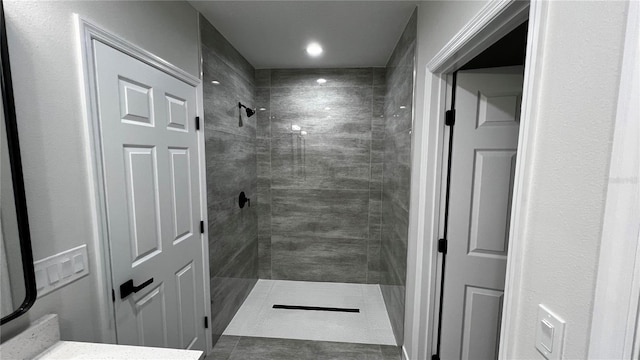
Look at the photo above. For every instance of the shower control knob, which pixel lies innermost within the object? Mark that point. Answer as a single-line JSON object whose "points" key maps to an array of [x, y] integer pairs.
{"points": [[243, 199]]}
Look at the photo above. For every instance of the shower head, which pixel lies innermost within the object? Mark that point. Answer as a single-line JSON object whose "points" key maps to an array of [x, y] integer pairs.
{"points": [[250, 111]]}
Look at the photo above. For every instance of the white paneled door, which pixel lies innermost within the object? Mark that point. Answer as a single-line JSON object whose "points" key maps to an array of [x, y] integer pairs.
{"points": [[482, 169], [150, 159]]}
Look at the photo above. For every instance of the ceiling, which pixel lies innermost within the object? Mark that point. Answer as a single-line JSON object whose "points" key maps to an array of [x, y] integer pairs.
{"points": [[274, 34]]}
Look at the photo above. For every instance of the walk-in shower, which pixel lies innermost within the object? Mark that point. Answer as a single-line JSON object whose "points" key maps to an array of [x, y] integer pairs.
{"points": [[322, 253]]}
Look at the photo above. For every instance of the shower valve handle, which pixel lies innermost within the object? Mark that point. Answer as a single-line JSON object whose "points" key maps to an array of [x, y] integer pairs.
{"points": [[243, 199]]}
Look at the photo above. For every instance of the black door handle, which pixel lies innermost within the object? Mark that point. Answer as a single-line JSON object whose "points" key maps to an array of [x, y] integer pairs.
{"points": [[128, 288]]}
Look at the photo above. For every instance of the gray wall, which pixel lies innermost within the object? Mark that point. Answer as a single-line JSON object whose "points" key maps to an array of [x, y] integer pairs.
{"points": [[231, 168], [398, 103], [319, 194]]}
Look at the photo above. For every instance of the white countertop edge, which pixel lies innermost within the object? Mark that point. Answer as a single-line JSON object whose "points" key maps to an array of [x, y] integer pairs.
{"points": [[69, 350]]}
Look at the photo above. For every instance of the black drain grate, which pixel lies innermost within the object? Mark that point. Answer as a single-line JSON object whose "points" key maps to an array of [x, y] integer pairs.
{"points": [[315, 308]]}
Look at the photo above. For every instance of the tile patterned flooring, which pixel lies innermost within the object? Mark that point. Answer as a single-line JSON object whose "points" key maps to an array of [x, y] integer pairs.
{"points": [[257, 318], [255, 348]]}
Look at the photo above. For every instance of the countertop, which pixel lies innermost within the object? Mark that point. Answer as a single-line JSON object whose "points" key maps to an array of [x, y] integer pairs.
{"points": [[68, 350]]}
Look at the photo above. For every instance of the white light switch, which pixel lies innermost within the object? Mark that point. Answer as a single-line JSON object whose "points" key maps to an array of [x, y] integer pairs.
{"points": [[61, 269], [41, 279], [67, 268], [546, 338], [52, 273], [549, 334], [78, 263]]}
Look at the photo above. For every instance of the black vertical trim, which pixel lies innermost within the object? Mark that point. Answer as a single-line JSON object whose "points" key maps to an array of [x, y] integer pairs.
{"points": [[201, 227], [206, 322], [197, 122], [15, 163], [113, 295], [443, 243]]}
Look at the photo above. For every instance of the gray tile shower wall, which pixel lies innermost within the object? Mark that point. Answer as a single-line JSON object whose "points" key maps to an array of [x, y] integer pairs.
{"points": [[320, 155], [398, 104], [231, 163]]}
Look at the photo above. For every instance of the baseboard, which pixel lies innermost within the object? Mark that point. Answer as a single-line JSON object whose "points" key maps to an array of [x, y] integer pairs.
{"points": [[405, 356]]}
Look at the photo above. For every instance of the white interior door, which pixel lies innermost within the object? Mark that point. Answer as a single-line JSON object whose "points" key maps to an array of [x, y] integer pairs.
{"points": [[483, 162], [150, 157]]}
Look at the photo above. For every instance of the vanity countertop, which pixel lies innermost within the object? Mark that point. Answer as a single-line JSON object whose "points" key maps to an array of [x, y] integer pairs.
{"points": [[83, 350]]}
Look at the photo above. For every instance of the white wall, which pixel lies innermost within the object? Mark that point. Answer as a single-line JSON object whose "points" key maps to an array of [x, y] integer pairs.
{"points": [[571, 152], [45, 68], [571, 149]]}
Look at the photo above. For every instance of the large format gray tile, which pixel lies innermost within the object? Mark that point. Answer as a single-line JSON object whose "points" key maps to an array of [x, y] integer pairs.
{"points": [[254, 348], [396, 175], [361, 77], [406, 41], [212, 38], [223, 348], [379, 76], [326, 213], [231, 286], [263, 114], [397, 169], [322, 110], [227, 295], [231, 165], [394, 301], [320, 162], [221, 100], [230, 229], [319, 259], [263, 78], [264, 256]]}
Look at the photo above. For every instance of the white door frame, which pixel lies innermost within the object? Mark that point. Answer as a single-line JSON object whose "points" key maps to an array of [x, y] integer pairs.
{"points": [[494, 20], [87, 32], [616, 314]]}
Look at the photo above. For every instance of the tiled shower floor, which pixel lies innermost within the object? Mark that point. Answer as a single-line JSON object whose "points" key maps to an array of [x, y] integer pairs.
{"points": [[257, 318]]}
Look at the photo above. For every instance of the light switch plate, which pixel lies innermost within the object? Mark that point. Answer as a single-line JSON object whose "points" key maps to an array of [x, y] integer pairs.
{"points": [[549, 333], [61, 269]]}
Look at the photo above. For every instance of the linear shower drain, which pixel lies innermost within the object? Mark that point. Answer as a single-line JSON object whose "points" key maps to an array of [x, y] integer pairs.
{"points": [[315, 308]]}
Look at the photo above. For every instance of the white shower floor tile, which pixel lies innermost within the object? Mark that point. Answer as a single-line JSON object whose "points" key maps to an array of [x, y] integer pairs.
{"points": [[256, 317]]}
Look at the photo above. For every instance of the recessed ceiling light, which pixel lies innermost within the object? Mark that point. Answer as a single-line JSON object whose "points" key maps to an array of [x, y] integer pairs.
{"points": [[262, 109], [215, 82], [314, 49], [303, 132], [321, 81], [295, 127], [403, 107]]}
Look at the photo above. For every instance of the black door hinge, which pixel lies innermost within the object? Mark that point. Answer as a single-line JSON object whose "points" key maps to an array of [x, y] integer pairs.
{"points": [[113, 295], [201, 227], [206, 322], [197, 122], [435, 357], [442, 246], [450, 117]]}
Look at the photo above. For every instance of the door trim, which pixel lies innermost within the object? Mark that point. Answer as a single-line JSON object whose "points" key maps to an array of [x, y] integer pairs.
{"points": [[86, 33], [616, 319], [493, 21]]}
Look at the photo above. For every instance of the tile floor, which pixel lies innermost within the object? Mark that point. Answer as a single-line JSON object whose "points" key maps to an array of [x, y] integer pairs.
{"points": [[255, 348], [257, 318]]}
